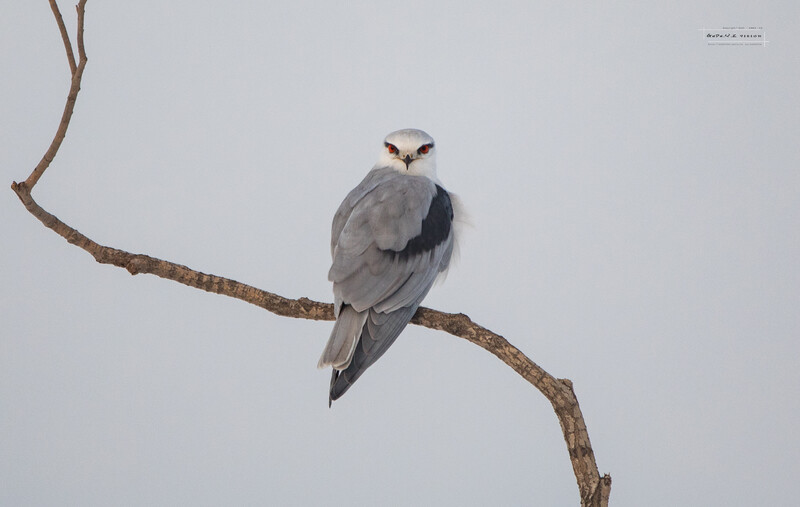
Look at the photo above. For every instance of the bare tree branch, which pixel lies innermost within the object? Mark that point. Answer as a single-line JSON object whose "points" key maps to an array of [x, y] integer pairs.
{"points": [[64, 35], [77, 75], [594, 490]]}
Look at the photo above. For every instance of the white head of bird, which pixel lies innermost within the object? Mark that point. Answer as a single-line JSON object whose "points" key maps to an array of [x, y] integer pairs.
{"points": [[409, 151]]}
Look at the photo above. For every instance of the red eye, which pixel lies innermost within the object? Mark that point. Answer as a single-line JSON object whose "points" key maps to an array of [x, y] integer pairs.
{"points": [[392, 148], [425, 148]]}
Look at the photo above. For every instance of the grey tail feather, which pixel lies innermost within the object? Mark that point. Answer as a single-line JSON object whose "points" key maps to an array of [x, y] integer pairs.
{"points": [[375, 340], [344, 337]]}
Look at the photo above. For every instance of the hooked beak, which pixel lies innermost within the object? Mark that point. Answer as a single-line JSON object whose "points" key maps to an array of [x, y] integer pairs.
{"points": [[407, 160]]}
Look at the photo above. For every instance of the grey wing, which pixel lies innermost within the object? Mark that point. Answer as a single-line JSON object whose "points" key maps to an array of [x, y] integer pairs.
{"points": [[382, 257], [390, 248], [370, 181]]}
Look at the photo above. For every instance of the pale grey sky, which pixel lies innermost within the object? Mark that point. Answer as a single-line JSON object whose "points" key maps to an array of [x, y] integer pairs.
{"points": [[635, 196]]}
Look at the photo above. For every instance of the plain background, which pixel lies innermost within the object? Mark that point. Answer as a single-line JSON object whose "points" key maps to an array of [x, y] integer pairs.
{"points": [[635, 200]]}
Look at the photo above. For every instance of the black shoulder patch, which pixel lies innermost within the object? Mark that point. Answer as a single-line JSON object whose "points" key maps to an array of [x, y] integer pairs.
{"points": [[435, 227]]}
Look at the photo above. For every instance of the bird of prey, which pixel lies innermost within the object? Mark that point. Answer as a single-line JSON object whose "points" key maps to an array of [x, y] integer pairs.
{"points": [[391, 238]]}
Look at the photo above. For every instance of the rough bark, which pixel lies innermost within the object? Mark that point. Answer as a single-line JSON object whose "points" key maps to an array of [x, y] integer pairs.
{"points": [[594, 489]]}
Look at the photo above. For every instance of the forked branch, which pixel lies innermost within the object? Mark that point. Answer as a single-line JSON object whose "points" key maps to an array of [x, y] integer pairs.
{"points": [[594, 490]]}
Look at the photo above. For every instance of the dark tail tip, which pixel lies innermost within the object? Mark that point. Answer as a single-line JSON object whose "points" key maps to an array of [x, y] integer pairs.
{"points": [[339, 385], [334, 376]]}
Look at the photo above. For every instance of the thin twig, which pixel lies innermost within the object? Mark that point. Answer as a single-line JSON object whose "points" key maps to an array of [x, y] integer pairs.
{"points": [[75, 86], [81, 8], [64, 36]]}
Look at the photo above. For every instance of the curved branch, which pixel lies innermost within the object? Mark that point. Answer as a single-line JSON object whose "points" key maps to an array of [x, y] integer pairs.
{"points": [[594, 490], [558, 391]]}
